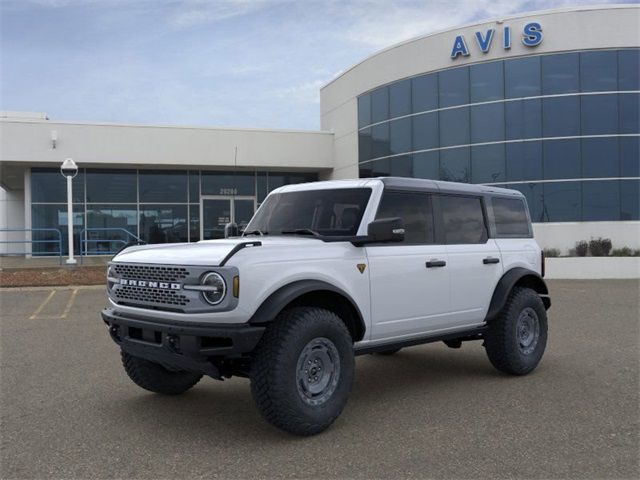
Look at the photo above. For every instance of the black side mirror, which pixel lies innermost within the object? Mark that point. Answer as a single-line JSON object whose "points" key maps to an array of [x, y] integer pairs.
{"points": [[381, 231], [231, 230]]}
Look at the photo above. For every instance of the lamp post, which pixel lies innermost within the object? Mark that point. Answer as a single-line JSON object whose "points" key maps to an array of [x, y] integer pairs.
{"points": [[69, 169]]}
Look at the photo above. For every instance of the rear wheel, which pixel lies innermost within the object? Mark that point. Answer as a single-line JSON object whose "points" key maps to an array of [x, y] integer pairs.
{"points": [[303, 369], [516, 340], [156, 378]]}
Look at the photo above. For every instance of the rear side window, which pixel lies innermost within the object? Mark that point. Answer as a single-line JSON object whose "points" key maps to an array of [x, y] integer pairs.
{"points": [[463, 219], [510, 215], [416, 213]]}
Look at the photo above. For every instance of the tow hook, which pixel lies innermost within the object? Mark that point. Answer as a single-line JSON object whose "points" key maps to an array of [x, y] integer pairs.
{"points": [[114, 332]]}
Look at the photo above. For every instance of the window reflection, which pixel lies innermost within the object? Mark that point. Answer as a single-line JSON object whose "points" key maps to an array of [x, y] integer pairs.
{"points": [[163, 186], [488, 164], [562, 202], [600, 201], [599, 71], [560, 73], [48, 185], [400, 99], [455, 165], [164, 223]]}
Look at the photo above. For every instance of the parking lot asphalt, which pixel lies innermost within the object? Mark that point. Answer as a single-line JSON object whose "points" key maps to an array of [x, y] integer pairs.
{"points": [[69, 410]]}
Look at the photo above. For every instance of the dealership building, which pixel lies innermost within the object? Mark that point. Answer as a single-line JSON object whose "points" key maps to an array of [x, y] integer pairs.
{"points": [[546, 103]]}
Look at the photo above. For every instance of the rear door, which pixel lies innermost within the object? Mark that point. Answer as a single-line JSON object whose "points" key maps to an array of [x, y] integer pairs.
{"points": [[409, 280], [475, 264]]}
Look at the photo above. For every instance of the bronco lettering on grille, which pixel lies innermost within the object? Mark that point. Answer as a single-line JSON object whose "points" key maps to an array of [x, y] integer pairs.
{"points": [[150, 284]]}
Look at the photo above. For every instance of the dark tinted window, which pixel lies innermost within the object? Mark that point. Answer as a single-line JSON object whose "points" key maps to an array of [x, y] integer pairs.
{"points": [[487, 123], [415, 211], [164, 223], [600, 200], [48, 185], [400, 135], [380, 140], [454, 127], [629, 112], [426, 165], [630, 156], [111, 186], [561, 159], [380, 105], [454, 87], [487, 82], [523, 119], [364, 110], [522, 77], [194, 186], [561, 116], [163, 186], [194, 223], [599, 71], [487, 164], [400, 166], [455, 165], [629, 70], [533, 193], [560, 74], [425, 131], [562, 202], [52, 216], [463, 219], [600, 157], [328, 212], [630, 200], [424, 93], [599, 114], [365, 145], [400, 99], [524, 160], [228, 183], [510, 216]]}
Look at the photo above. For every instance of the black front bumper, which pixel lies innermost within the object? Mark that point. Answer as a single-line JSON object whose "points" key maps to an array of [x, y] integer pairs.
{"points": [[192, 347]]}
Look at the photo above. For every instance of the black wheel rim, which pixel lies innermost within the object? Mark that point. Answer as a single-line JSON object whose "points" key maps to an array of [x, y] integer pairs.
{"points": [[528, 330], [318, 371]]}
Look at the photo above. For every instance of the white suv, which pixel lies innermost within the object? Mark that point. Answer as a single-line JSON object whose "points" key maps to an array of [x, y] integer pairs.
{"points": [[326, 271]]}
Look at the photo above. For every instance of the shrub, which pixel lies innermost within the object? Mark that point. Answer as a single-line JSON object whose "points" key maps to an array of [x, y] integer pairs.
{"points": [[636, 252], [600, 247], [622, 252], [551, 252], [581, 249]]}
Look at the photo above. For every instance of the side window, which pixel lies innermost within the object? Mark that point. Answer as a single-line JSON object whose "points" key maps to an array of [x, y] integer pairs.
{"points": [[463, 219], [510, 217], [416, 213]]}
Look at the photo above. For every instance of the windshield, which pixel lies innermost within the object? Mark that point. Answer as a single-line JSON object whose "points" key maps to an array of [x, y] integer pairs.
{"points": [[333, 212]]}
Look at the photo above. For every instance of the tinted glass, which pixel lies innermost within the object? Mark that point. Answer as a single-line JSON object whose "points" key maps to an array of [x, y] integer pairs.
{"points": [[364, 170], [561, 159], [562, 202], [455, 165], [533, 194], [561, 116], [415, 211], [194, 186], [598, 71], [194, 223], [600, 157], [400, 99], [523, 119], [630, 156], [111, 186], [488, 164], [364, 110], [328, 212], [629, 112], [380, 105], [262, 187], [560, 73], [425, 131], [510, 216], [48, 185], [380, 168], [524, 160], [630, 200], [365, 144], [228, 183], [118, 219], [454, 127], [163, 186], [629, 70], [454, 87], [600, 200], [599, 114], [487, 81], [424, 93], [522, 77], [276, 180], [426, 165], [164, 223], [380, 140], [52, 216], [487, 123], [463, 219], [400, 166], [400, 135]]}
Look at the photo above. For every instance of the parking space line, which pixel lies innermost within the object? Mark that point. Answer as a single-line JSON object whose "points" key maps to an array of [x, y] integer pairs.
{"points": [[42, 305], [69, 303]]}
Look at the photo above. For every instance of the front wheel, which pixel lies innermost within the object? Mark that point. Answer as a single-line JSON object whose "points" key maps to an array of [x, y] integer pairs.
{"points": [[517, 339], [302, 372]]}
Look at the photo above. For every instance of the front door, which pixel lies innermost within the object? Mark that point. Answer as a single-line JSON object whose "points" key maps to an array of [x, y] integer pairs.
{"points": [[216, 211]]}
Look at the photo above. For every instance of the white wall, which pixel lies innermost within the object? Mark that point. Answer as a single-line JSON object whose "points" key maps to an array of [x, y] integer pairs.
{"points": [[589, 268], [11, 216]]}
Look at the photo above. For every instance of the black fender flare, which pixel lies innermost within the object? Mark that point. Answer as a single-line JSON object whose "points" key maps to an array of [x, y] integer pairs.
{"points": [[524, 276], [286, 294]]}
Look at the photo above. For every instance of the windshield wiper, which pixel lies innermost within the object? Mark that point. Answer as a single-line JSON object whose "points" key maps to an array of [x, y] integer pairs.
{"points": [[301, 231], [255, 232]]}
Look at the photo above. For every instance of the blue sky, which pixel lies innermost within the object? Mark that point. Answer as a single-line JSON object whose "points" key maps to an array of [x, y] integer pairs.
{"points": [[247, 63]]}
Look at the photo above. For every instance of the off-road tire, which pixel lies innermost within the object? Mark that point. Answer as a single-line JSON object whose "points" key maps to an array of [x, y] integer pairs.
{"points": [[502, 340], [391, 351], [155, 378], [275, 385]]}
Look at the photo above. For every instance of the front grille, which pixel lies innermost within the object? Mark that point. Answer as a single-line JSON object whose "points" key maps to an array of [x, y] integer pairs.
{"points": [[153, 273], [157, 296]]}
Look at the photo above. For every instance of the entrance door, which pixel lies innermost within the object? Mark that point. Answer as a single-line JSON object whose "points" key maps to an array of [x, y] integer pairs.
{"points": [[217, 211]]}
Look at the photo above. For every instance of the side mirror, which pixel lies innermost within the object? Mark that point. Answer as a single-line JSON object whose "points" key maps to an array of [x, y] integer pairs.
{"points": [[382, 230], [231, 230]]}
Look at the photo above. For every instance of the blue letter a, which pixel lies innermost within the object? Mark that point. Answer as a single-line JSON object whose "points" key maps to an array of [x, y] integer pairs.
{"points": [[459, 47], [485, 43]]}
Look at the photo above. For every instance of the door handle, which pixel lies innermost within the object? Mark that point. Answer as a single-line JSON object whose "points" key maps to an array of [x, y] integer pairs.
{"points": [[436, 263], [490, 260]]}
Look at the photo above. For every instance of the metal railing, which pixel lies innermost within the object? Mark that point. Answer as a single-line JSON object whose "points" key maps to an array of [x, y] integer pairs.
{"points": [[31, 241], [128, 239]]}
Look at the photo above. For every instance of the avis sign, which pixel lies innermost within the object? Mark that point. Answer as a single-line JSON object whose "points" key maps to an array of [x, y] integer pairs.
{"points": [[531, 37]]}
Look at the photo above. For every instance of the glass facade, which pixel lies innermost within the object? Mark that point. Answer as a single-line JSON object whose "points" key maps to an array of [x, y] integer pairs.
{"points": [[561, 128], [158, 206]]}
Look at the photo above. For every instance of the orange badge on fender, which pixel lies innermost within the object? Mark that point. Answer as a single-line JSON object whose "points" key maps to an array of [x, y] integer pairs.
{"points": [[361, 267]]}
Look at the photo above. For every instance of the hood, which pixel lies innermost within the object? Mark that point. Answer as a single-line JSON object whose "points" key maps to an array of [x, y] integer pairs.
{"points": [[206, 253]]}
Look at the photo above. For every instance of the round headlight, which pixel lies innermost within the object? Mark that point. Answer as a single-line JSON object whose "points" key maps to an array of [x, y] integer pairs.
{"points": [[216, 288]]}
